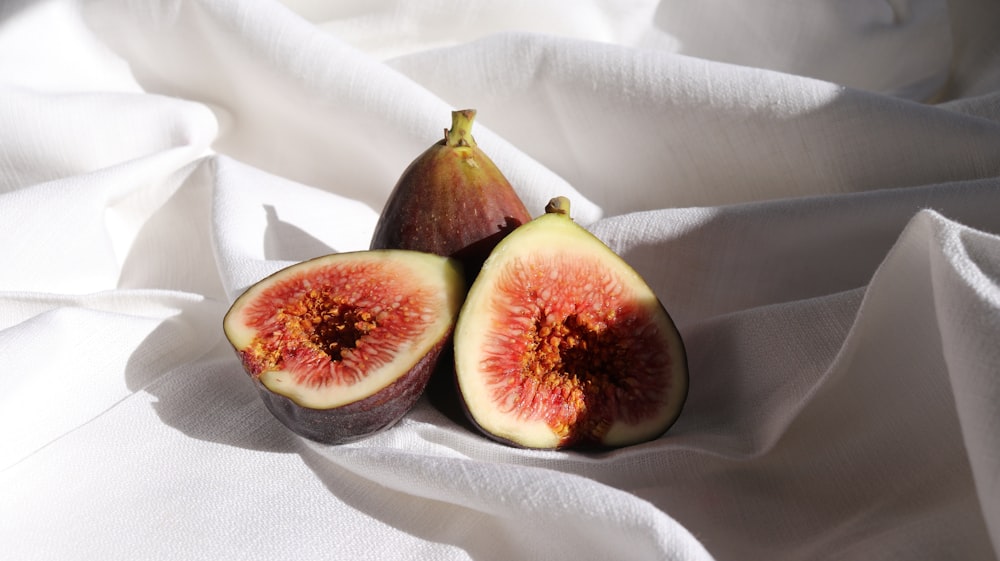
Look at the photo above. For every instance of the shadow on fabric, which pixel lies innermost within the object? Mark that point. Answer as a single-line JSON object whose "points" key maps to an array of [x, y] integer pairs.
{"points": [[285, 241]]}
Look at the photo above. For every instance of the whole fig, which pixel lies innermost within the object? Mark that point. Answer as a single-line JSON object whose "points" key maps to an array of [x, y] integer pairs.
{"points": [[452, 200]]}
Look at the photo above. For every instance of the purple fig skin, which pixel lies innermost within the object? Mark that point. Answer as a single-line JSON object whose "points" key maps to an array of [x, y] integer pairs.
{"points": [[452, 200], [358, 420]]}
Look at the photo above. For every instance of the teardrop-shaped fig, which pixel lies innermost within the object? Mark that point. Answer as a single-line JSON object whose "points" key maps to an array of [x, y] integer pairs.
{"points": [[452, 200], [561, 343], [342, 346]]}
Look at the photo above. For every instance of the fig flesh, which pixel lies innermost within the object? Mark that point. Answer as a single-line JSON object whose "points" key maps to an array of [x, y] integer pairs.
{"points": [[452, 200], [342, 346], [560, 343]]}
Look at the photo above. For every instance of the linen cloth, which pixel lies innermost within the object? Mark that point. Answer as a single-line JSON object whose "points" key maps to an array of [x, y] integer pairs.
{"points": [[812, 188]]}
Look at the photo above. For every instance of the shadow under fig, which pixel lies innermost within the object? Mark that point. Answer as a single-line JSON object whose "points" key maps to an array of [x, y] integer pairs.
{"points": [[209, 397], [408, 514]]}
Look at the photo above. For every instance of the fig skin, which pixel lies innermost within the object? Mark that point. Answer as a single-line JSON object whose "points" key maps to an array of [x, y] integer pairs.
{"points": [[360, 419], [561, 344], [387, 316], [451, 200]]}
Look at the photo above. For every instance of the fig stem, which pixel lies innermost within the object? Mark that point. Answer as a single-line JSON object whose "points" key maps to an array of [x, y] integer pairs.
{"points": [[461, 127], [558, 205]]}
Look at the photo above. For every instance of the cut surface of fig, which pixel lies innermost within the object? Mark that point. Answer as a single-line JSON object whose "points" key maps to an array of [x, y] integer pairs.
{"points": [[341, 346], [561, 343], [451, 200]]}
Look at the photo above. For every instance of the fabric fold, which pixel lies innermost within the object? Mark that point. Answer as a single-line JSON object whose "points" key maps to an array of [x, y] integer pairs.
{"points": [[637, 129], [822, 231]]}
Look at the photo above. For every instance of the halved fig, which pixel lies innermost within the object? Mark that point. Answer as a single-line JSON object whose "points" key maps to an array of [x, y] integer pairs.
{"points": [[561, 343], [342, 346]]}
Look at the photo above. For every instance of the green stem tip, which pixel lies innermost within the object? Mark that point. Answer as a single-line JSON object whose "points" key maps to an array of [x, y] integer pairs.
{"points": [[461, 126], [558, 205]]}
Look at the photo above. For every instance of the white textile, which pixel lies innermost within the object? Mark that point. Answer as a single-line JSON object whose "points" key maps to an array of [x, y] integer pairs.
{"points": [[812, 188]]}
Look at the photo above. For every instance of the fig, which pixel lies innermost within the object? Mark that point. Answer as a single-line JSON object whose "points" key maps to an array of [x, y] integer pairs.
{"points": [[341, 346], [451, 200], [560, 343]]}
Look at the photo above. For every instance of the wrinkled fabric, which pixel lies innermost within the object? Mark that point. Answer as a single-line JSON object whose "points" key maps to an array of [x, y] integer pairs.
{"points": [[812, 189]]}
